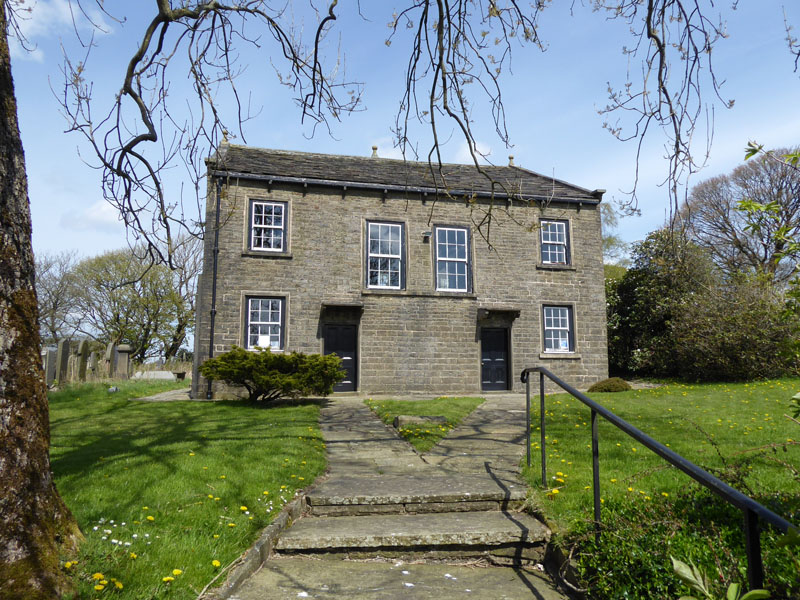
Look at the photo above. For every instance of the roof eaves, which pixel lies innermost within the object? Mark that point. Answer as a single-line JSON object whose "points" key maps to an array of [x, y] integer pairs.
{"points": [[306, 181]]}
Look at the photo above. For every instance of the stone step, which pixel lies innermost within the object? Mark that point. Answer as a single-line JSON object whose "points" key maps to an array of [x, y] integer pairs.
{"points": [[292, 578], [441, 535], [434, 491]]}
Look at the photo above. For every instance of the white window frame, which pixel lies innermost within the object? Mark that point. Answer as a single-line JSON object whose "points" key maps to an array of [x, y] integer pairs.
{"points": [[568, 329], [455, 261], [399, 257], [560, 241], [270, 323], [270, 228]]}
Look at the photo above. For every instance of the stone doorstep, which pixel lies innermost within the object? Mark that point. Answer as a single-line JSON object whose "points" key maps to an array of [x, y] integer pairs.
{"points": [[337, 510], [431, 487], [475, 531], [515, 554]]}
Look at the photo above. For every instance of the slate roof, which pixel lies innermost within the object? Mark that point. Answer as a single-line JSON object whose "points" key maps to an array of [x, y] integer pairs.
{"points": [[391, 174]]}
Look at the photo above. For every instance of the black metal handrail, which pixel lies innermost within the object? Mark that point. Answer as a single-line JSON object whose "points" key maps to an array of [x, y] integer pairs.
{"points": [[751, 509]]}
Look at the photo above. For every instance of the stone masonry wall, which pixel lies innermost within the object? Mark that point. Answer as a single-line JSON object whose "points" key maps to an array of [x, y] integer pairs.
{"points": [[417, 339]]}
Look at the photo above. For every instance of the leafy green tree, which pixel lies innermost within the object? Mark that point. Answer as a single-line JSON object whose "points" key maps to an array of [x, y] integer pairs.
{"points": [[271, 376], [125, 300], [735, 329], [665, 268], [673, 313]]}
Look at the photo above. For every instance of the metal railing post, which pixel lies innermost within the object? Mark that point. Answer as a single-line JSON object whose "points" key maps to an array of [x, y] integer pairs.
{"points": [[543, 442], [528, 418], [596, 474], [752, 537]]}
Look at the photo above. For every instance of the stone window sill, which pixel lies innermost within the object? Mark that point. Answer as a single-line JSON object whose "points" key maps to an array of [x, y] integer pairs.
{"points": [[407, 293], [545, 267], [254, 254], [560, 356]]}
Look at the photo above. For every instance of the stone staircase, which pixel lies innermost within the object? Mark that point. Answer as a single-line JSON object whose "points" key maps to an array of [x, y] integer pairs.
{"points": [[389, 523], [434, 515]]}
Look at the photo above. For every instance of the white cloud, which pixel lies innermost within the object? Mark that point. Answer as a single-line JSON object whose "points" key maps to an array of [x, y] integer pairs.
{"points": [[481, 150], [100, 217], [45, 20]]}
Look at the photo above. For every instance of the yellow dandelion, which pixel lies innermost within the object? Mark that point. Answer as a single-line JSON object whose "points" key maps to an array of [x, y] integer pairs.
{"points": [[134, 555], [167, 579], [630, 489], [191, 453], [99, 587], [216, 535], [242, 507], [215, 563], [265, 492], [554, 491], [665, 494], [118, 585], [231, 524], [211, 496], [98, 576], [177, 572], [145, 507], [151, 518]]}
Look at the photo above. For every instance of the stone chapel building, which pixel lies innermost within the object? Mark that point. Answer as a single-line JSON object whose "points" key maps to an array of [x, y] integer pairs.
{"points": [[391, 265]]}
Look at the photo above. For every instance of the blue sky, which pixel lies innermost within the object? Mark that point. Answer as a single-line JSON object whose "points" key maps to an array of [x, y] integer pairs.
{"points": [[551, 99]]}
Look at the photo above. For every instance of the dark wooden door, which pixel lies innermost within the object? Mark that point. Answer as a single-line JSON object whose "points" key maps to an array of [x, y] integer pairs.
{"points": [[342, 341], [494, 359]]}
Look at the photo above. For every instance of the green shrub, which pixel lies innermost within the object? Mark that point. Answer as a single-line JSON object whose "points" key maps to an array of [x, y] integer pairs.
{"points": [[632, 559], [268, 376], [612, 384]]}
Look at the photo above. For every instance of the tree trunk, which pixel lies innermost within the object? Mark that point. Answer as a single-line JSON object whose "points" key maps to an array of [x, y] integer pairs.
{"points": [[35, 524]]}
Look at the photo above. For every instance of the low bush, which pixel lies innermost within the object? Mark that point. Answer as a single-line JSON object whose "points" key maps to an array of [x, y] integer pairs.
{"points": [[268, 377], [612, 384], [632, 559]]}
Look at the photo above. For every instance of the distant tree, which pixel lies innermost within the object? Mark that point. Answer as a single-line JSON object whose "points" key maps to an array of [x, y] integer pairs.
{"points": [[742, 241], [615, 251], [735, 329], [187, 261], [57, 295], [642, 304], [673, 313], [125, 300]]}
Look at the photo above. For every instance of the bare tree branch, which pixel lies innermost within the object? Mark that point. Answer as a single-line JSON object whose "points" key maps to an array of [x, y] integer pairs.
{"points": [[140, 136]]}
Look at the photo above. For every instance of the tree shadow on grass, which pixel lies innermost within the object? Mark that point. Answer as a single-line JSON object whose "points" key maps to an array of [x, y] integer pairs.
{"points": [[135, 448]]}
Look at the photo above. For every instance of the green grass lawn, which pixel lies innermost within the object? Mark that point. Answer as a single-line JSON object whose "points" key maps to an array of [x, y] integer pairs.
{"points": [[736, 431], [169, 494], [711, 425], [424, 438]]}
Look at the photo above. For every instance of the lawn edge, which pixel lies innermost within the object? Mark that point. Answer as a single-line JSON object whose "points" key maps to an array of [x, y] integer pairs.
{"points": [[258, 553]]}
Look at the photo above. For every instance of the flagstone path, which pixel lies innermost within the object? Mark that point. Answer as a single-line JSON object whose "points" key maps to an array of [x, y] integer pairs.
{"points": [[391, 523]]}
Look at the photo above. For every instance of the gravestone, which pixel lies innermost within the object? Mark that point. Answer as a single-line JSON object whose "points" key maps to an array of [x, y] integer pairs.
{"points": [[123, 361], [83, 358], [92, 366], [62, 361], [49, 366], [110, 360]]}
